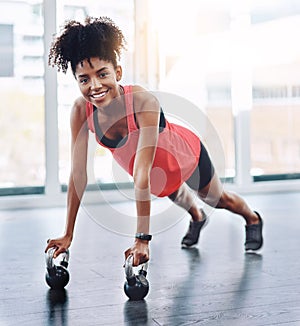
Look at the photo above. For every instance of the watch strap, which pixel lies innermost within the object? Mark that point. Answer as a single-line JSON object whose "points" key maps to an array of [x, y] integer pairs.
{"points": [[143, 236]]}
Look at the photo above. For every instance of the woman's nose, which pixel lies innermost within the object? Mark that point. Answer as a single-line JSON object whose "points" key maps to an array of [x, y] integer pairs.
{"points": [[96, 83]]}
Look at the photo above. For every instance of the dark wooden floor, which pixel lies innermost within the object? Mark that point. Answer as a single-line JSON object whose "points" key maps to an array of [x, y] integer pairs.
{"points": [[214, 284]]}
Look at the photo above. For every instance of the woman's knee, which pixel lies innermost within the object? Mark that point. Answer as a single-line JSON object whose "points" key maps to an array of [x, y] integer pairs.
{"points": [[227, 200], [183, 197], [212, 193]]}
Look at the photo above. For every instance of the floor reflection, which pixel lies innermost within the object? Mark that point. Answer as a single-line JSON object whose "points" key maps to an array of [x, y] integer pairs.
{"points": [[57, 301], [135, 313]]}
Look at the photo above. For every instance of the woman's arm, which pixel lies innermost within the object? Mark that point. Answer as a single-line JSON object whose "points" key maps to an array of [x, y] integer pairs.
{"points": [[78, 175], [147, 115]]}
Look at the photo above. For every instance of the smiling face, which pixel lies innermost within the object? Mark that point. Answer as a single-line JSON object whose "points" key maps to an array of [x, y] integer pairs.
{"points": [[98, 81]]}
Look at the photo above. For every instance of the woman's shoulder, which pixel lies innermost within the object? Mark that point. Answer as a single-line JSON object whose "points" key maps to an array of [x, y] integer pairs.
{"points": [[142, 96], [79, 103], [79, 108], [138, 88]]}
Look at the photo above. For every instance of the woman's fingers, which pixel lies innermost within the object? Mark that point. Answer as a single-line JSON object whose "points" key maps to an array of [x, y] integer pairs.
{"points": [[139, 259], [140, 254], [49, 245], [57, 245], [58, 251]]}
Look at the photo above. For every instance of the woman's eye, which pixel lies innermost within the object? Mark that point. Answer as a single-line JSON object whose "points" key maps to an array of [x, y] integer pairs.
{"points": [[83, 81]]}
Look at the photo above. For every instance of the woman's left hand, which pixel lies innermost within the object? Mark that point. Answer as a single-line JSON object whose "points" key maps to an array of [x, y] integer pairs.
{"points": [[139, 251]]}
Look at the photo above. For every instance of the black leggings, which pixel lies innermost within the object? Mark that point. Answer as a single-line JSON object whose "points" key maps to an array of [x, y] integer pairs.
{"points": [[203, 173]]}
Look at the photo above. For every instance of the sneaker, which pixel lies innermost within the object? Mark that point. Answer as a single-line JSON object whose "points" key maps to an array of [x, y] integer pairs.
{"points": [[192, 236], [254, 238]]}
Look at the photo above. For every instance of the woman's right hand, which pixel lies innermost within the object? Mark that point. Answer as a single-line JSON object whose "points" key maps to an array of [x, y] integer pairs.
{"points": [[60, 245], [139, 251]]}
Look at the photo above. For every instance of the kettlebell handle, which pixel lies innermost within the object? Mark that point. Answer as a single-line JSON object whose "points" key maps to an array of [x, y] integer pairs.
{"points": [[49, 258], [129, 267]]}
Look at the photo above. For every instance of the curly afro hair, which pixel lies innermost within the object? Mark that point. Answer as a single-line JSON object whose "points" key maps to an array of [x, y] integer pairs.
{"points": [[97, 37]]}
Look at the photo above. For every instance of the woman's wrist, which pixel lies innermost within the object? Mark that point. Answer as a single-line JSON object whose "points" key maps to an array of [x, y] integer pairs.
{"points": [[143, 236], [69, 235], [140, 241]]}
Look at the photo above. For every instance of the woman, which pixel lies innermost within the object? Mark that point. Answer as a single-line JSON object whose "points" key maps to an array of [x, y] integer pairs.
{"points": [[164, 159]]}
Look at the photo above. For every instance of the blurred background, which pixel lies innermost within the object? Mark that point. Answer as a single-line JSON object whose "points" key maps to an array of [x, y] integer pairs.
{"points": [[238, 61]]}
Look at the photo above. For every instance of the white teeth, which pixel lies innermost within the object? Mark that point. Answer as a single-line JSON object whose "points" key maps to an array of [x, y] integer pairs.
{"points": [[99, 95]]}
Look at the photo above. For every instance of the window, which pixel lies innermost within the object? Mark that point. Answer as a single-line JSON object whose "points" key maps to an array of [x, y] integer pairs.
{"points": [[102, 170], [6, 50], [236, 65], [275, 115], [194, 62], [22, 140]]}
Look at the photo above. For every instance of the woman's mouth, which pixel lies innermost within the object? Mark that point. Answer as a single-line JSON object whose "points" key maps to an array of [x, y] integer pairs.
{"points": [[99, 95]]}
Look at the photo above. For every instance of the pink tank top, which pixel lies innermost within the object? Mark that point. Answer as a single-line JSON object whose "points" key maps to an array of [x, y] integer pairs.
{"points": [[177, 153]]}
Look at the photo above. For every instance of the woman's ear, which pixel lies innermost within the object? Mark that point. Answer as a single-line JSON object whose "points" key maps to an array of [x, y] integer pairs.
{"points": [[119, 73]]}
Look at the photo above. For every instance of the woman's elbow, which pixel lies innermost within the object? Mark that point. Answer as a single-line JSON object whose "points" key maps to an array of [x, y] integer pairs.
{"points": [[142, 187], [79, 177], [141, 179]]}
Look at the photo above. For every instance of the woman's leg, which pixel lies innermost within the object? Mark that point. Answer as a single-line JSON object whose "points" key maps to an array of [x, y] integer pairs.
{"points": [[214, 195], [185, 199], [207, 184]]}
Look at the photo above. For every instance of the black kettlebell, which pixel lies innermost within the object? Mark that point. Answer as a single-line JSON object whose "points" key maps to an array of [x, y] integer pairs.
{"points": [[57, 277], [136, 287]]}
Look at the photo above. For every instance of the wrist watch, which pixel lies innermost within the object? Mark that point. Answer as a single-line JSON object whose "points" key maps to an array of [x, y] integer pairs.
{"points": [[143, 236]]}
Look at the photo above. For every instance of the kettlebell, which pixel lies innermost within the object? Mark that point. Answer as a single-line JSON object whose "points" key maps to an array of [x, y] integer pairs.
{"points": [[136, 287], [57, 277]]}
